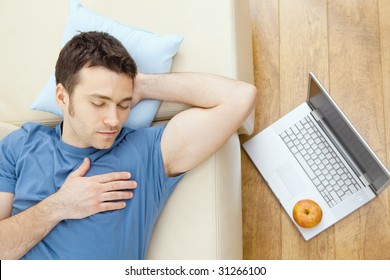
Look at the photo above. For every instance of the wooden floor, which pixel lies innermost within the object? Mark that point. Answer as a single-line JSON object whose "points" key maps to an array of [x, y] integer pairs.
{"points": [[347, 45]]}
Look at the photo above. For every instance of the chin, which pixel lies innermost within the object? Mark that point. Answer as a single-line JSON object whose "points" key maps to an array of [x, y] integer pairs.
{"points": [[102, 145]]}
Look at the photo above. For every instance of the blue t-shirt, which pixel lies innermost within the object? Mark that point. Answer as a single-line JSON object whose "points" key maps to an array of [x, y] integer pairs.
{"points": [[34, 163]]}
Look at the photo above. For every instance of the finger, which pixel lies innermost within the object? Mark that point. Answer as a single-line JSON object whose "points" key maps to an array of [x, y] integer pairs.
{"points": [[113, 176], [82, 169], [112, 205], [117, 195], [119, 185]]}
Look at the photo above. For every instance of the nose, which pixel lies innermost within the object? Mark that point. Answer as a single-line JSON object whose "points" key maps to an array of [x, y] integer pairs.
{"points": [[112, 118]]}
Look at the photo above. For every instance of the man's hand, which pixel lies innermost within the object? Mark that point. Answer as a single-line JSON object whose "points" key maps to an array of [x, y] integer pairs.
{"points": [[80, 196], [137, 90]]}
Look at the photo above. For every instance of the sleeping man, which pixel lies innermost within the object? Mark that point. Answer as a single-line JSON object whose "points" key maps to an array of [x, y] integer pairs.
{"points": [[90, 188]]}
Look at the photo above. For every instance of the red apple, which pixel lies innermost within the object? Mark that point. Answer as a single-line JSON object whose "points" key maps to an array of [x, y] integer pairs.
{"points": [[307, 213]]}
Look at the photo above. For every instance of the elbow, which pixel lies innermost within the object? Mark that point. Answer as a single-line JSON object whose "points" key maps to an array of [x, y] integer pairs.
{"points": [[252, 94], [249, 97], [243, 102]]}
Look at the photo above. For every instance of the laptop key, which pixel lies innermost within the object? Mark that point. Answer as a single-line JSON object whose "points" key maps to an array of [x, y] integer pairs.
{"points": [[295, 129], [335, 196], [348, 193]]}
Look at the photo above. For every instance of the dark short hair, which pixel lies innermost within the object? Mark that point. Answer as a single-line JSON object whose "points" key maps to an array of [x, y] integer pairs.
{"points": [[92, 49]]}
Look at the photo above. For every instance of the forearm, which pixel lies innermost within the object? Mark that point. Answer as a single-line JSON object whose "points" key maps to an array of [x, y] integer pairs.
{"points": [[23, 231], [195, 89]]}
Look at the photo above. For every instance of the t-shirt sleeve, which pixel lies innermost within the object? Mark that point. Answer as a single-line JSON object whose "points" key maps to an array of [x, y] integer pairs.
{"points": [[149, 145], [9, 152]]}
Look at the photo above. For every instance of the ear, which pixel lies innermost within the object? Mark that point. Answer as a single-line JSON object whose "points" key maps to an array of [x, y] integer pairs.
{"points": [[62, 96]]}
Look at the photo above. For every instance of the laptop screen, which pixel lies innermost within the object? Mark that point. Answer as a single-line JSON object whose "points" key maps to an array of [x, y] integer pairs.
{"points": [[365, 159]]}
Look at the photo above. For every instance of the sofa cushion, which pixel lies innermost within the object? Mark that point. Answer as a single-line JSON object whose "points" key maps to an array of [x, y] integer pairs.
{"points": [[151, 52]]}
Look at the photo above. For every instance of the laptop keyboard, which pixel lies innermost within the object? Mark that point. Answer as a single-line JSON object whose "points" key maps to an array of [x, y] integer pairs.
{"points": [[327, 172]]}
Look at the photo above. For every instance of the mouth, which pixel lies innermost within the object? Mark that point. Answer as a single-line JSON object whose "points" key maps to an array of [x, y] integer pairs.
{"points": [[108, 134]]}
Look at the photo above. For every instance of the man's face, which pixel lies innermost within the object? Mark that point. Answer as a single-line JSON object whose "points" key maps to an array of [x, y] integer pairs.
{"points": [[97, 109]]}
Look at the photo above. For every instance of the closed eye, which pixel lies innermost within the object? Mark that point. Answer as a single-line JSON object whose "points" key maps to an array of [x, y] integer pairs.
{"points": [[98, 104], [99, 101], [124, 105]]}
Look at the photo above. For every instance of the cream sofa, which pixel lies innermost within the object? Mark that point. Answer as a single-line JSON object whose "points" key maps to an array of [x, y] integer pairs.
{"points": [[202, 219]]}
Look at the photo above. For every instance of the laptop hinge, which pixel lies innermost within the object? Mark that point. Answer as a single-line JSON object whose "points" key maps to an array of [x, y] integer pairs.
{"points": [[317, 115], [319, 118], [364, 180]]}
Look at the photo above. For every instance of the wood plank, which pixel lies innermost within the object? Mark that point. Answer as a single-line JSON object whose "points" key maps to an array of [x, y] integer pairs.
{"points": [[261, 212], [355, 83], [384, 26], [303, 48]]}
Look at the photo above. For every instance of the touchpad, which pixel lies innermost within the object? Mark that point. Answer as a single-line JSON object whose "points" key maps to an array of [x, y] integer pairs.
{"points": [[288, 180]]}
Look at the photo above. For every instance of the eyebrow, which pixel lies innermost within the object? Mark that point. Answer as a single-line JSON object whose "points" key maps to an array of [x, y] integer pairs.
{"points": [[98, 96]]}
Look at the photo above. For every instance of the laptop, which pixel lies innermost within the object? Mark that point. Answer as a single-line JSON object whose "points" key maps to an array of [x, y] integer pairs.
{"points": [[314, 152]]}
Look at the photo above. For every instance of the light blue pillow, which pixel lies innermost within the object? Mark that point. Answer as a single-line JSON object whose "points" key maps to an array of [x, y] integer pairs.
{"points": [[152, 54]]}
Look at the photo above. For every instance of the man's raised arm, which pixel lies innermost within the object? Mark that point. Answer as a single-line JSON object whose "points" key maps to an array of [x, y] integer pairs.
{"points": [[219, 106]]}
